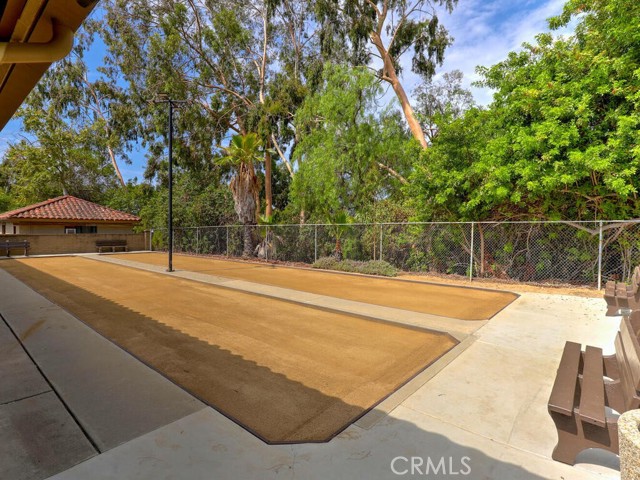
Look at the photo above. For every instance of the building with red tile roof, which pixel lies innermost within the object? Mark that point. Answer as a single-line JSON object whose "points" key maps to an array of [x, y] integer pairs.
{"points": [[66, 214]]}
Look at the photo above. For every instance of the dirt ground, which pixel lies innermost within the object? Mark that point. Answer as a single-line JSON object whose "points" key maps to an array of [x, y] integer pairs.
{"points": [[577, 291], [444, 300], [487, 283], [285, 372]]}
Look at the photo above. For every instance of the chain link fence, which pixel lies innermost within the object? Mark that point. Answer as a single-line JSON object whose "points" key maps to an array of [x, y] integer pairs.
{"points": [[577, 253]]}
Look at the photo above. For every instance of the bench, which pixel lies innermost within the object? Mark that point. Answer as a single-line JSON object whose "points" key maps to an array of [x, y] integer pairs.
{"points": [[12, 245], [112, 244], [620, 296], [586, 384]]}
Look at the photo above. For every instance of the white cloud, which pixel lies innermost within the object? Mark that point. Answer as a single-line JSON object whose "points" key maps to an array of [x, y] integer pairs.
{"points": [[485, 31]]}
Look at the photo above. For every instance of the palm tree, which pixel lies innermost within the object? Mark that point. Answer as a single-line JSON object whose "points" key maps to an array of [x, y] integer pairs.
{"points": [[243, 152], [339, 225]]}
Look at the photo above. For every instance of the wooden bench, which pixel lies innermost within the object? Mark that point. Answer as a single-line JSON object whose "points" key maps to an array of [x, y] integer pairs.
{"points": [[12, 245], [112, 244], [620, 296], [588, 382]]}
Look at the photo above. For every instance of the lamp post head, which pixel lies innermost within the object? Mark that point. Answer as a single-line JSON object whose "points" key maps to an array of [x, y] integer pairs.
{"points": [[161, 97]]}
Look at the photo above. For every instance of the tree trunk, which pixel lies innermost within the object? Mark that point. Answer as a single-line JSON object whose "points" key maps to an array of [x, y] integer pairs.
{"points": [[414, 125], [338, 251], [247, 250], [244, 187], [390, 75], [112, 156]]}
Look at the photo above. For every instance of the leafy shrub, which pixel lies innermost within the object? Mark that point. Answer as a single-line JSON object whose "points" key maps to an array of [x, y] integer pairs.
{"points": [[378, 267], [326, 263], [372, 267]]}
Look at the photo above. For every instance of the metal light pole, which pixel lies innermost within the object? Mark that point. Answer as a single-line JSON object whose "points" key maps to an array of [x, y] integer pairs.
{"points": [[164, 98]]}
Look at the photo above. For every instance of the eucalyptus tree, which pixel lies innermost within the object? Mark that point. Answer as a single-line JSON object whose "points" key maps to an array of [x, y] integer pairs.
{"points": [[442, 101], [242, 66], [77, 129], [86, 99], [386, 30], [59, 161]]}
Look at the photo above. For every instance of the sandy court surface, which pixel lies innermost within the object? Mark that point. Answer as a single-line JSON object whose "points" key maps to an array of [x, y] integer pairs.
{"points": [[444, 300], [285, 372], [512, 286]]}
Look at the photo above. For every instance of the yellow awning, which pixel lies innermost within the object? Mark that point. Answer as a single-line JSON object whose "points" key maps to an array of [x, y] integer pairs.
{"points": [[33, 34]]}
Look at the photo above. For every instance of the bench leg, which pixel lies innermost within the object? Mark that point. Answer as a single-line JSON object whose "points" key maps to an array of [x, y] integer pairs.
{"points": [[614, 396], [574, 436], [611, 367]]}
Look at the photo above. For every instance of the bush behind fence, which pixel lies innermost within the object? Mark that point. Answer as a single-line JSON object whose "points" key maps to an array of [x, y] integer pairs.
{"points": [[579, 253]]}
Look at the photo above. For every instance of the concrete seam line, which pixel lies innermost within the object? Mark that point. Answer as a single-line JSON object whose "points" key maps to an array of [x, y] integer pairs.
{"points": [[53, 388]]}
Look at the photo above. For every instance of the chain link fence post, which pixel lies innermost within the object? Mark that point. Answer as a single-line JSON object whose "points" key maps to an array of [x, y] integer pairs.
{"points": [[266, 243], [539, 252], [600, 256], [471, 253]]}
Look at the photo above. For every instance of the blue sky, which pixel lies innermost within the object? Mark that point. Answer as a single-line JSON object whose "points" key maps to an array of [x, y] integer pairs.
{"points": [[484, 32]]}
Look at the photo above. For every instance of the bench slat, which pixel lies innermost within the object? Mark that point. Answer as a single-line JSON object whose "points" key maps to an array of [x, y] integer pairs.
{"points": [[631, 350], [12, 245], [625, 377], [564, 388], [592, 396], [109, 243]]}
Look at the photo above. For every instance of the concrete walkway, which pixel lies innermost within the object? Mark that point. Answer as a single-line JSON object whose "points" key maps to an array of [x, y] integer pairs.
{"points": [[484, 414], [67, 393]]}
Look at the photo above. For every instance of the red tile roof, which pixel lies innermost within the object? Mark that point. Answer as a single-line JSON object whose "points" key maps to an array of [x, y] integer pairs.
{"points": [[68, 207]]}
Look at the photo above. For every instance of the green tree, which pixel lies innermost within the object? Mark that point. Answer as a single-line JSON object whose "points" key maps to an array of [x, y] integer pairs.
{"points": [[446, 176], [391, 28], [6, 202], [61, 161], [241, 64], [560, 140], [242, 154], [348, 154], [77, 131]]}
